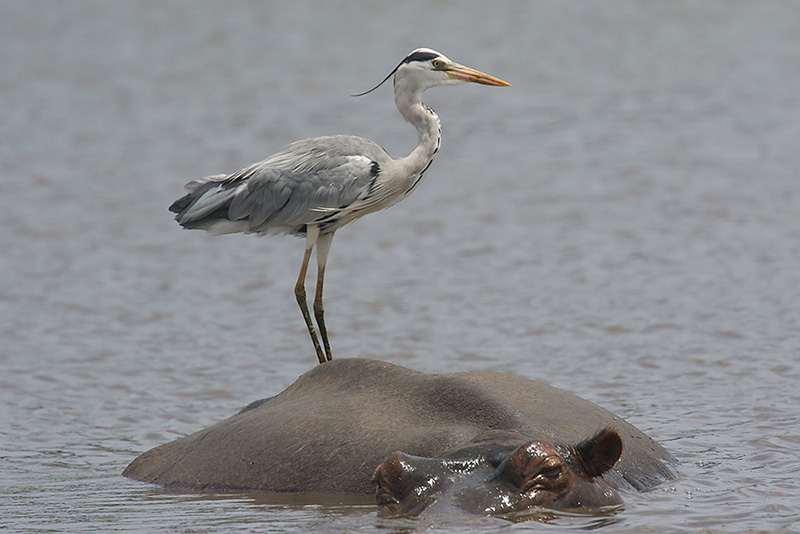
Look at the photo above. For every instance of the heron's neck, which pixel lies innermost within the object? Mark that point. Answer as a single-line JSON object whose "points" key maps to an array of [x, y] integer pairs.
{"points": [[429, 135]]}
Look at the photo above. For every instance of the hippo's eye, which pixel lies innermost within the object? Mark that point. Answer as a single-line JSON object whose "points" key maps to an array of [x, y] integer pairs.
{"points": [[546, 478], [551, 472]]}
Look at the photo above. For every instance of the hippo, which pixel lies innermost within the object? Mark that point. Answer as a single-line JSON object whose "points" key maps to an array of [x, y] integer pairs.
{"points": [[485, 442]]}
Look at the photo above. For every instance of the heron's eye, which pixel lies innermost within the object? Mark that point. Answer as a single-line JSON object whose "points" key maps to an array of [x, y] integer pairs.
{"points": [[437, 63]]}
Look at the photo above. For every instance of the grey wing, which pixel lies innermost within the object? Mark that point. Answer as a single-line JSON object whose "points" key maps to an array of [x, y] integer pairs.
{"points": [[310, 181]]}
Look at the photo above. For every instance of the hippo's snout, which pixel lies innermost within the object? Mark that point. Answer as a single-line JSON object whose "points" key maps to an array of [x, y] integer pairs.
{"points": [[387, 477], [407, 484]]}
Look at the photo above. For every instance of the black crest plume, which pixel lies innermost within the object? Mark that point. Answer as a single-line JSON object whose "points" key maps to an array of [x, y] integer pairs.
{"points": [[417, 55]]}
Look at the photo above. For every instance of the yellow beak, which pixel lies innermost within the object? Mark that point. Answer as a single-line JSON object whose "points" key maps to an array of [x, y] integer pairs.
{"points": [[461, 72]]}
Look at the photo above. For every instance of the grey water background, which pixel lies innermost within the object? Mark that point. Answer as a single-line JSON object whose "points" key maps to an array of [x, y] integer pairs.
{"points": [[623, 222]]}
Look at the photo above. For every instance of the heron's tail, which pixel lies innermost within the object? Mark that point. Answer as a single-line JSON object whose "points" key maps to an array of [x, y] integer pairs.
{"points": [[205, 203]]}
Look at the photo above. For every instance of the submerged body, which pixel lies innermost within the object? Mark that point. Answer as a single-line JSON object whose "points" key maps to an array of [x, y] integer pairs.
{"points": [[355, 424], [315, 186]]}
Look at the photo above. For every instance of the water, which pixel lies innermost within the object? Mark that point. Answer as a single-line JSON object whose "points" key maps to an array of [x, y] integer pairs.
{"points": [[622, 222]]}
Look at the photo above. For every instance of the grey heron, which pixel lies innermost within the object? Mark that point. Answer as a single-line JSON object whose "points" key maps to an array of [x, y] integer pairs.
{"points": [[315, 186]]}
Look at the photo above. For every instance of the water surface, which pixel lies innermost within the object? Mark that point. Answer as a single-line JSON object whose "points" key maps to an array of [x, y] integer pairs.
{"points": [[622, 222]]}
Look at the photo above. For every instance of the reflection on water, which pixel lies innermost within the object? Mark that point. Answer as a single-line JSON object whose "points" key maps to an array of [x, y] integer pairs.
{"points": [[589, 519], [344, 503], [622, 222]]}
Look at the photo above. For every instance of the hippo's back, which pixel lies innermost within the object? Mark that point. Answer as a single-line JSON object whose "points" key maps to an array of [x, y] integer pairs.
{"points": [[332, 427]]}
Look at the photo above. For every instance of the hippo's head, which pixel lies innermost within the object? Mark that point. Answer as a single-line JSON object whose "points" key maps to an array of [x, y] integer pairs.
{"points": [[534, 475]]}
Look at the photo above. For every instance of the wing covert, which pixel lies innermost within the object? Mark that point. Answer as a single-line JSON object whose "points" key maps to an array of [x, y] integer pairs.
{"points": [[305, 182]]}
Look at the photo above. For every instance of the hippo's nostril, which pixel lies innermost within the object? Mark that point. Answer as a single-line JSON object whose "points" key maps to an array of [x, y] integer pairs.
{"points": [[389, 489], [384, 498], [388, 503]]}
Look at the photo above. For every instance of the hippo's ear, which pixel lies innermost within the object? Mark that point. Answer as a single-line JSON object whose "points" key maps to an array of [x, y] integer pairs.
{"points": [[598, 454]]}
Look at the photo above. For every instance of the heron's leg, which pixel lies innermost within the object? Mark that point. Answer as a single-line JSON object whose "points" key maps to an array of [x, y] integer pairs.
{"points": [[323, 247], [300, 290]]}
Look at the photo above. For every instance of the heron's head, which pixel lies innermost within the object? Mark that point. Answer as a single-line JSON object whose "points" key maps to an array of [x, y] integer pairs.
{"points": [[428, 68], [424, 68]]}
